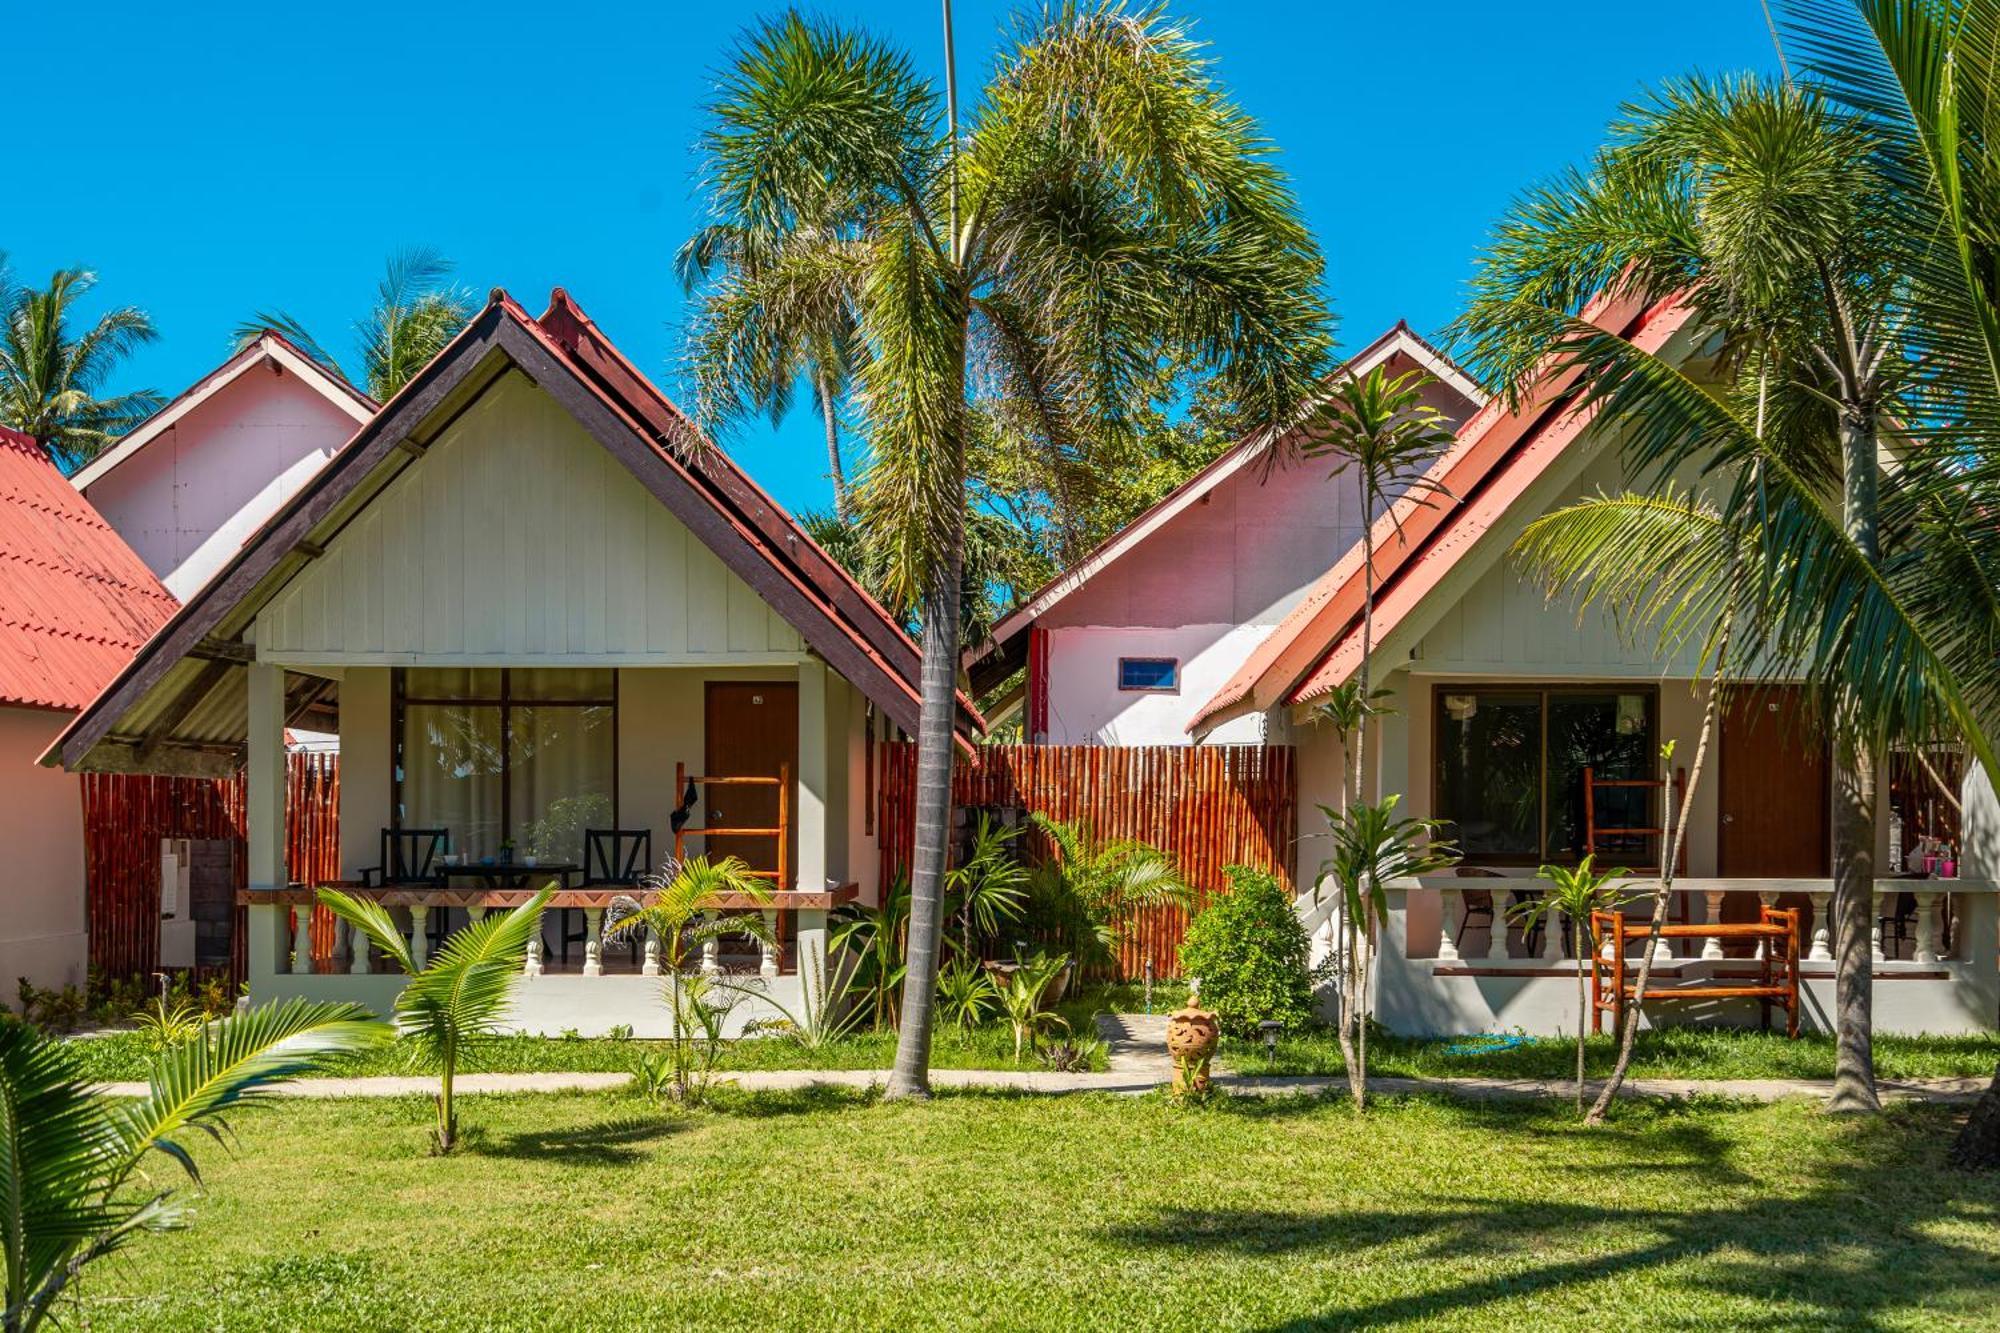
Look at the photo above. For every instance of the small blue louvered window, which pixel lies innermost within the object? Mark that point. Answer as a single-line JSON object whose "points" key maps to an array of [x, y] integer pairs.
{"points": [[1149, 673]]}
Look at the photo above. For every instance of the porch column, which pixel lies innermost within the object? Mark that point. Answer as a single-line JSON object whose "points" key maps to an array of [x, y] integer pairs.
{"points": [[302, 938], [420, 939], [812, 782], [1496, 944], [1822, 936], [264, 819], [767, 963], [1769, 898], [651, 967], [711, 951], [1555, 929], [1449, 908], [812, 943], [1711, 948], [1926, 948], [593, 941]]}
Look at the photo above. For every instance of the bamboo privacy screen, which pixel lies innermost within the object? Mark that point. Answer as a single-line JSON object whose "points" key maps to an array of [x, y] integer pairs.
{"points": [[125, 816], [1207, 806]]}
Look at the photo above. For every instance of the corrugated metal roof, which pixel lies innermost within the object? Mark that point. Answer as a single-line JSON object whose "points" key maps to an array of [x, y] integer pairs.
{"points": [[75, 601]]}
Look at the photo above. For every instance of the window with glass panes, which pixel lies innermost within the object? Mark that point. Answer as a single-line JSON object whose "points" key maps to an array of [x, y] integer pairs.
{"points": [[1509, 766], [501, 757]]}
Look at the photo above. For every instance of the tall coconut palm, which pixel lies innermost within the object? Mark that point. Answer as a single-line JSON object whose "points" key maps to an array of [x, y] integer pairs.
{"points": [[417, 311], [1101, 207], [71, 1186], [51, 376], [1922, 73], [1766, 209], [802, 327]]}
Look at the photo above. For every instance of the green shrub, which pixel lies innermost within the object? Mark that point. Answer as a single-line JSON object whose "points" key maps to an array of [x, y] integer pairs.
{"points": [[1252, 955]]}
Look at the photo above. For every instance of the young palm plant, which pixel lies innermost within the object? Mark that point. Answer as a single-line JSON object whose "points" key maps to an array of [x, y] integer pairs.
{"points": [[68, 1195], [1023, 999], [1373, 846], [877, 936], [1575, 892], [417, 311], [1770, 213], [989, 888], [1380, 429], [1112, 883], [457, 999], [51, 376], [685, 915], [1102, 208]]}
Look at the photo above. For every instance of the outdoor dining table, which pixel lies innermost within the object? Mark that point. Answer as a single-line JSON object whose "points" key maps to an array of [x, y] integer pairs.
{"points": [[512, 874]]}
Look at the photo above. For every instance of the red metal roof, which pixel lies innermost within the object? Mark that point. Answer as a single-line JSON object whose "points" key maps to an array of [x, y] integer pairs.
{"points": [[1499, 451], [75, 601]]}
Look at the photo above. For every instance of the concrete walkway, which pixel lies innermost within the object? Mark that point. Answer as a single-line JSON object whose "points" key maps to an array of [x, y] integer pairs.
{"points": [[1137, 1056]]}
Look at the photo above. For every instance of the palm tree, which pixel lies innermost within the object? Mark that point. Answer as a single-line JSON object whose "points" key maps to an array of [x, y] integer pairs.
{"points": [[1768, 211], [1102, 208], [685, 914], [458, 998], [68, 1195], [803, 329], [1921, 74], [416, 312], [1577, 892], [1373, 847], [1380, 429], [50, 377], [1110, 883]]}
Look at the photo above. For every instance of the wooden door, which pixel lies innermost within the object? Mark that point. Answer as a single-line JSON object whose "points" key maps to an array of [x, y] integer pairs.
{"points": [[750, 729], [1775, 782]]}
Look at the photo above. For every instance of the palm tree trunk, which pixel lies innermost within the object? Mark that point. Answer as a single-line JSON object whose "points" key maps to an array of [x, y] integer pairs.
{"points": [[1854, 815], [936, 736], [1977, 1147], [447, 1114], [841, 507], [1357, 1011], [1853, 944], [1669, 858], [1577, 935]]}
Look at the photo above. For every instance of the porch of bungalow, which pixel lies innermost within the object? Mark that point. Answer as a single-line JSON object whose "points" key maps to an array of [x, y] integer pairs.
{"points": [[467, 789]]}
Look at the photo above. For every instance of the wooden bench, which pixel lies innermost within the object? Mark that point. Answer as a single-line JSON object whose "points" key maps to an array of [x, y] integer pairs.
{"points": [[1777, 978]]}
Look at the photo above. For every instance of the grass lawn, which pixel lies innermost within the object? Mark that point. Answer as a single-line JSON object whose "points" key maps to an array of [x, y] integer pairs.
{"points": [[829, 1210], [1672, 1052]]}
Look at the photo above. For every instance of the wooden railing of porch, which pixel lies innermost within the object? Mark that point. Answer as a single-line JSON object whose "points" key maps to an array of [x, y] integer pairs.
{"points": [[1206, 806]]}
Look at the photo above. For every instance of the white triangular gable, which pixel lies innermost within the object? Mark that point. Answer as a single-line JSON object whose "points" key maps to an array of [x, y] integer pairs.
{"points": [[518, 537]]}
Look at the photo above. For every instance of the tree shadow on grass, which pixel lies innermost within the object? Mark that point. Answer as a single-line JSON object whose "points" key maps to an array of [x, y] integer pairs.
{"points": [[1858, 1242], [620, 1141], [776, 1103]]}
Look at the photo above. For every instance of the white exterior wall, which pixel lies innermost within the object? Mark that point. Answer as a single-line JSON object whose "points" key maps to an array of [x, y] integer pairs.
{"points": [[1206, 587], [518, 540], [42, 923], [189, 499], [1086, 707]]}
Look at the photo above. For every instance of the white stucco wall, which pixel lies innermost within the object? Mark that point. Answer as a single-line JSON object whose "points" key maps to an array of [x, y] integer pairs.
{"points": [[42, 920], [1086, 707], [188, 500]]}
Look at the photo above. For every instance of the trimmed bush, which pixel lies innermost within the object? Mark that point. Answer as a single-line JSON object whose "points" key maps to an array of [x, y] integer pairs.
{"points": [[1252, 955]]}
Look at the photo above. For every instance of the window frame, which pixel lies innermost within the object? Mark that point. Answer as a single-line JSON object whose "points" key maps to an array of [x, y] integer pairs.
{"points": [[400, 700], [1542, 691], [1173, 662]]}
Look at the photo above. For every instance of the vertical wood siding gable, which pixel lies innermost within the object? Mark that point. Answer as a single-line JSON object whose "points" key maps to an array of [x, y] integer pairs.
{"points": [[517, 535]]}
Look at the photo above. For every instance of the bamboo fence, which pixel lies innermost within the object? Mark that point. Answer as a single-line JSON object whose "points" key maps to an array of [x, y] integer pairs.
{"points": [[125, 818], [1206, 806]]}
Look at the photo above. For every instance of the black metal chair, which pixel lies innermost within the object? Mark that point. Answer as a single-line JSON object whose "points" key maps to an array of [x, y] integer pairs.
{"points": [[409, 856], [611, 858], [1898, 924]]}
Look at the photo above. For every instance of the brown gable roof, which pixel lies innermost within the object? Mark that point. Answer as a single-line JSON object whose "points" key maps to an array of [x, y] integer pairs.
{"points": [[565, 356], [1497, 454]]}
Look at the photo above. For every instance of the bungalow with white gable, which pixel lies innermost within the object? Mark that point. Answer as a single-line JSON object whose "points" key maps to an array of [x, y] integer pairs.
{"points": [[1535, 733], [547, 610], [188, 485]]}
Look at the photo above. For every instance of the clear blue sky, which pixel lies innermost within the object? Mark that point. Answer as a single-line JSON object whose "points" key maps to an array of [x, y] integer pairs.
{"points": [[209, 160]]}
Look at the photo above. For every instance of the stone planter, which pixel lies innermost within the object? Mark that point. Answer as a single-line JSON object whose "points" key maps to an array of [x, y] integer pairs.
{"points": [[1192, 1035]]}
